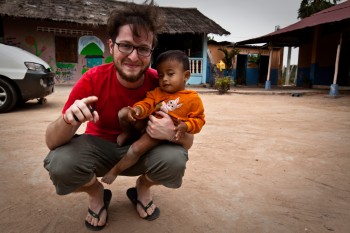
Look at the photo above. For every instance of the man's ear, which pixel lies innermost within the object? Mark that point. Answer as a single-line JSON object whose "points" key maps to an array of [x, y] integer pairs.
{"points": [[187, 75], [110, 45]]}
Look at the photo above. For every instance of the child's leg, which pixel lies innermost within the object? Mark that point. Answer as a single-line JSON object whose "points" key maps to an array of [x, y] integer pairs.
{"points": [[126, 126], [141, 146], [136, 150], [110, 176]]}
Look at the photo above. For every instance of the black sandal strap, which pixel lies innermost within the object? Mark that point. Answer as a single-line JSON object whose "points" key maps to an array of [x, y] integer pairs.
{"points": [[93, 214], [145, 208]]}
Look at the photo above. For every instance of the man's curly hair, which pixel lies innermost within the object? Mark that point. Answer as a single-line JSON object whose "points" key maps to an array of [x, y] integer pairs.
{"points": [[143, 17]]}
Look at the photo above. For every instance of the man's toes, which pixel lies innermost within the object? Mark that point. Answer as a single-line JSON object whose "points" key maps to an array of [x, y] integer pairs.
{"points": [[141, 211], [94, 222], [91, 220], [144, 213], [102, 219], [88, 218], [151, 209]]}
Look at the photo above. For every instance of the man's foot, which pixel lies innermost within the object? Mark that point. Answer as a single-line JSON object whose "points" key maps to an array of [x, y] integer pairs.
{"points": [[97, 212], [132, 195], [141, 197]]}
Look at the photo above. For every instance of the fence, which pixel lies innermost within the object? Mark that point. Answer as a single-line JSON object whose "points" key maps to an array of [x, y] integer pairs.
{"points": [[196, 66]]}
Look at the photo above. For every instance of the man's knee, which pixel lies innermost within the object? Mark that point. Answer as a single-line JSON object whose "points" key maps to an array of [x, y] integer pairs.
{"points": [[169, 166], [60, 166], [175, 161], [177, 169]]}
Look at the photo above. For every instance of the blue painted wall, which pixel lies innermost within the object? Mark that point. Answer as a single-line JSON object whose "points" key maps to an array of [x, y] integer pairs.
{"points": [[252, 76], [303, 72], [195, 79], [321, 75], [325, 76], [317, 75], [274, 76]]}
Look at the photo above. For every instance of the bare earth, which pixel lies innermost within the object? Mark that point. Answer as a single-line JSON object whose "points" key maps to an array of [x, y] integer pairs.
{"points": [[262, 163]]}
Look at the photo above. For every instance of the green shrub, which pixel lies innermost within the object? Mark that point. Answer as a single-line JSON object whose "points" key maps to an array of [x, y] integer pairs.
{"points": [[223, 84]]}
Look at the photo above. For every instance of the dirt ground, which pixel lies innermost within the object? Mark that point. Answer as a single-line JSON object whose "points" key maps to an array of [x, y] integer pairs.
{"points": [[262, 163]]}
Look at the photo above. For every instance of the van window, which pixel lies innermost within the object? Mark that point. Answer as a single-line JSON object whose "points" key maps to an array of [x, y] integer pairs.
{"points": [[66, 49]]}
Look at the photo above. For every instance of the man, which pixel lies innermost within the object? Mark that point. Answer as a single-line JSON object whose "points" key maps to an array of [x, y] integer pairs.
{"points": [[75, 162]]}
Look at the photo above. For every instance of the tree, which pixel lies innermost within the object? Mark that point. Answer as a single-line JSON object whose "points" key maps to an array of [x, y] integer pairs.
{"points": [[309, 7], [222, 84], [229, 56]]}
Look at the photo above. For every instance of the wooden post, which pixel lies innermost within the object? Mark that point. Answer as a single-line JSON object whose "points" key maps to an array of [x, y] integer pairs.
{"points": [[270, 61], [268, 82], [337, 61], [288, 66], [334, 89]]}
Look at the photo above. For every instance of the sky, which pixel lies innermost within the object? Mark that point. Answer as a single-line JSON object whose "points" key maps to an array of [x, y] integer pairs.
{"points": [[244, 19]]}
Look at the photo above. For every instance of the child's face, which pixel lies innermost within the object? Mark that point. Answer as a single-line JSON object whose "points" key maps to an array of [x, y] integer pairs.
{"points": [[172, 76]]}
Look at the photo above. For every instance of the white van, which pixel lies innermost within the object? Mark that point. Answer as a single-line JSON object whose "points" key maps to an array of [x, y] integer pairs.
{"points": [[23, 76]]}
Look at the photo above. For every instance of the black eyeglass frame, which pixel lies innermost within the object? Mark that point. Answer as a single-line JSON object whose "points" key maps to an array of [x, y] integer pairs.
{"points": [[133, 48]]}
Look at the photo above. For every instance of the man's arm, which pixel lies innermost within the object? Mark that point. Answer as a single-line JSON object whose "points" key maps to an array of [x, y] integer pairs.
{"points": [[63, 128], [59, 133], [164, 129]]}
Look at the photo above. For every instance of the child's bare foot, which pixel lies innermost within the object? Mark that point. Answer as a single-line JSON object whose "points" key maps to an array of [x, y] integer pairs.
{"points": [[122, 138], [108, 178]]}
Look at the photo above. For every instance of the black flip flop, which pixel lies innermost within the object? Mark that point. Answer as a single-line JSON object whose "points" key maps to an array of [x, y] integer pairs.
{"points": [[107, 196], [132, 195]]}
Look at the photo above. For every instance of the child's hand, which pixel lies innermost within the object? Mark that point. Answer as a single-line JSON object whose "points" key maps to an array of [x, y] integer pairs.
{"points": [[180, 130], [133, 113]]}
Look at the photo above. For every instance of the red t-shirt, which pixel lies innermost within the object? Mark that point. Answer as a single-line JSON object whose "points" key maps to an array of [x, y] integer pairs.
{"points": [[101, 81]]}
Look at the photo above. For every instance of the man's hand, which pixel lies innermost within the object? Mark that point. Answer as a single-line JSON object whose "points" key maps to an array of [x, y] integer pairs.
{"points": [[164, 129], [161, 128], [79, 111]]}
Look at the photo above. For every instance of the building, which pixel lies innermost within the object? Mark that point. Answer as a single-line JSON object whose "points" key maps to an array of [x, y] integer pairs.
{"points": [[324, 46], [250, 65], [71, 35]]}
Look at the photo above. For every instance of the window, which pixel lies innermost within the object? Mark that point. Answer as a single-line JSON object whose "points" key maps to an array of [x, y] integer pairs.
{"points": [[66, 49]]}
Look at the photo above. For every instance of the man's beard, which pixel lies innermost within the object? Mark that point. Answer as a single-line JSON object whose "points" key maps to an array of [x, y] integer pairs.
{"points": [[129, 78]]}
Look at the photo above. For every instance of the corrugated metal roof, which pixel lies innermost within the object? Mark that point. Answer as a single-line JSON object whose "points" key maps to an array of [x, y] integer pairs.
{"points": [[291, 35]]}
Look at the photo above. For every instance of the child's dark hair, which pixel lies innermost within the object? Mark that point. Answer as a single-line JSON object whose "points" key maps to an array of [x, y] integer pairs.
{"points": [[176, 55], [142, 17]]}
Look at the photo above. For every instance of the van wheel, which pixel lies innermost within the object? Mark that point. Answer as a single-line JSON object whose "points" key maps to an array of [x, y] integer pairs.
{"points": [[42, 101], [8, 96]]}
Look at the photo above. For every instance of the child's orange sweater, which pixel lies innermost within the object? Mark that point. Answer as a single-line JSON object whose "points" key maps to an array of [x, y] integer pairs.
{"points": [[185, 105]]}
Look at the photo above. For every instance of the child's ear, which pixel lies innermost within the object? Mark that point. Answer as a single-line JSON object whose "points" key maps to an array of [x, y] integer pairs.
{"points": [[187, 75]]}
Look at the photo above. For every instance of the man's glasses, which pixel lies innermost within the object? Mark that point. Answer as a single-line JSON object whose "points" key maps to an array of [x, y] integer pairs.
{"points": [[128, 49]]}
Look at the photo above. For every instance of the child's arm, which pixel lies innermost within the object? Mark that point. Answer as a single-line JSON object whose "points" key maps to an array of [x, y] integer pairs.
{"points": [[195, 116], [134, 112]]}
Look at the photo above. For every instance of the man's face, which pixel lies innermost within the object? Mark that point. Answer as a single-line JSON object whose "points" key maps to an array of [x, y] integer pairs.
{"points": [[130, 67]]}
